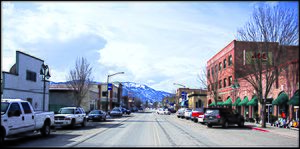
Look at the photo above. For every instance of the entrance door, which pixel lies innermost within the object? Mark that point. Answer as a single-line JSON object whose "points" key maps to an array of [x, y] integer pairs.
{"points": [[269, 110]]}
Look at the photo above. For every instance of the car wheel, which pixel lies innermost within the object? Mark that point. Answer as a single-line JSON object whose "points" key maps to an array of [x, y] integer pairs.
{"points": [[195, 120], [2, 137], [45, 130], [72, 123], [225, 125], [209, 125], [83, 124], [241, 124]]}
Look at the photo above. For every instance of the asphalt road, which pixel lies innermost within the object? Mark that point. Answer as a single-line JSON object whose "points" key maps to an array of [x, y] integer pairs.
{"points": [[152, 130]]}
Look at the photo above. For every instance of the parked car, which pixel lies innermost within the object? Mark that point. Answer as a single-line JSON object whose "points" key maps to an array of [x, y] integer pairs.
{"points": [[201, 119], [196, 112], [70, 116], [172, 110], [160, 111], [167, 112], [116, 112], [18, 117], [125, 111], [98, 115], [180, 112], [187, 113], [223, 117]]}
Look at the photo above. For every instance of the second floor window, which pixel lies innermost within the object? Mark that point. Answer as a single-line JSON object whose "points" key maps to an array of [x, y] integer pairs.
{"points": [[30, 76], [230, 60], [230, 80], [225, 82]]}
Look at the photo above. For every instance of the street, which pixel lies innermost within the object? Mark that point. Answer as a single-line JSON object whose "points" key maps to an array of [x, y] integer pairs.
{"points": [[153, 130]]}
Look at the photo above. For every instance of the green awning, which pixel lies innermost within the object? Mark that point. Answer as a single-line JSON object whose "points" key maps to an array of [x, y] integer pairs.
{"points": [[212, 104], [253, 101], [295, 99], [244, 102], [220, 103], [274, 102], [228, 102], [238, 100], [282, 98]]}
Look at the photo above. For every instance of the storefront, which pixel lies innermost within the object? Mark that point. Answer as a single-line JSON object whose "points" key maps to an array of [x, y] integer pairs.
{"points": [[294, 102]]}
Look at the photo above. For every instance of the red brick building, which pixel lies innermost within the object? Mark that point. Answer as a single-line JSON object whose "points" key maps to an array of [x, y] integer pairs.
{"points": [[231, 59]]}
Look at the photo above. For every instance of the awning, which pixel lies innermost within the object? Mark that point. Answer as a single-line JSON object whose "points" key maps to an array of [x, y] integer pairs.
{"points": [[228, 102], [220, 103], [244, 102], [212, 104], [282, 98], [238, 100], [295, 99], [253, 101], [274, 102]]}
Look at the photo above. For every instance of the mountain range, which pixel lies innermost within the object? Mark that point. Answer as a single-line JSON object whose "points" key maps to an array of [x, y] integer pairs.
{"points": [[140, 91]]}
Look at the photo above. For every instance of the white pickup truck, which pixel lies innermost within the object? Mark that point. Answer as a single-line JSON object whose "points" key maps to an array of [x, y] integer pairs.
{"points": [[18, 117]]}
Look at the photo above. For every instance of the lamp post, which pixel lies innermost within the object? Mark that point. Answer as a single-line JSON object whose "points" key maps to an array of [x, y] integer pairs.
{"points": [[235, 86], [107, 87], [45, 72]]}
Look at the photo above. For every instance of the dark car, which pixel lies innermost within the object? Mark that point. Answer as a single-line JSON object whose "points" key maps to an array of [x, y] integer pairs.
{"points": [[223, 117], [116, 112], [97, 115], [125, 111], [172, 110]]}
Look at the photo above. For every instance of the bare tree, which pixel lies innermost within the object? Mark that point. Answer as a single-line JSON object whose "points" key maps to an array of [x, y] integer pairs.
{"points": [[79, 79], [209, 78], [266, 26]]}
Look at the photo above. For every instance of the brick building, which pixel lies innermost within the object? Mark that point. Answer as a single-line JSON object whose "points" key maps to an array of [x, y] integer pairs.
{"points": [[232, 59]]}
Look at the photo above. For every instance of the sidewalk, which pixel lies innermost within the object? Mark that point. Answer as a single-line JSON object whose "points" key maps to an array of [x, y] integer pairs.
{"points": [[288, 132]]}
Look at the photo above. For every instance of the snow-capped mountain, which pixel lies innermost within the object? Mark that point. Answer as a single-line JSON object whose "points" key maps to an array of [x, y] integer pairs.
{"points": [[143, 92], [136, 90]]}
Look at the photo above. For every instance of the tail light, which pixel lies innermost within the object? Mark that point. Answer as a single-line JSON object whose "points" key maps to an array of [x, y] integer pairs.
{"points": [[218, 116]]}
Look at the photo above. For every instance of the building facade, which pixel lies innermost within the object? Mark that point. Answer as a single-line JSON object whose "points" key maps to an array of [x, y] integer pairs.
{"points": [[114, 98], [197, 99], [23, 81], [233, 58], [195, 96], [63, 96]]}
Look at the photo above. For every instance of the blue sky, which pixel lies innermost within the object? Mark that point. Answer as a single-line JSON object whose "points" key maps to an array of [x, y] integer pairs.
{"points": [[154, 43]]}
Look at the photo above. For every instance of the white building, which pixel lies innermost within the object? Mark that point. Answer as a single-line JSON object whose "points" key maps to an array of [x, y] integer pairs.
{"points": [[25, 82]]}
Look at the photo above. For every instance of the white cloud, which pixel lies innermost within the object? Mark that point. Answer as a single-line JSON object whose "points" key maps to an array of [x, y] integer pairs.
{"points": [[155, 43]]}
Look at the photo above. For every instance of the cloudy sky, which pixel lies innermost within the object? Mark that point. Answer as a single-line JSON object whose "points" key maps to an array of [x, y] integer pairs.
{"points": [[154, 43]]}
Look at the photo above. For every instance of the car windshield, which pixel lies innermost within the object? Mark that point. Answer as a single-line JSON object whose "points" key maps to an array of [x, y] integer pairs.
{"points": [[188, 110], [210, 111], [95, 112], [116, 110], [4, 106], [66, 111]]}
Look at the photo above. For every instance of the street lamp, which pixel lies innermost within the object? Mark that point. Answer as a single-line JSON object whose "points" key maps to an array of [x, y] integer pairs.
{"points": [[235, 86], [45, 72], [107, 87]]}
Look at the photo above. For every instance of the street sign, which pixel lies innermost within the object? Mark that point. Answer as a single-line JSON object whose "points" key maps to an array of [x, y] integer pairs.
{"points": [[109, 86]]}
